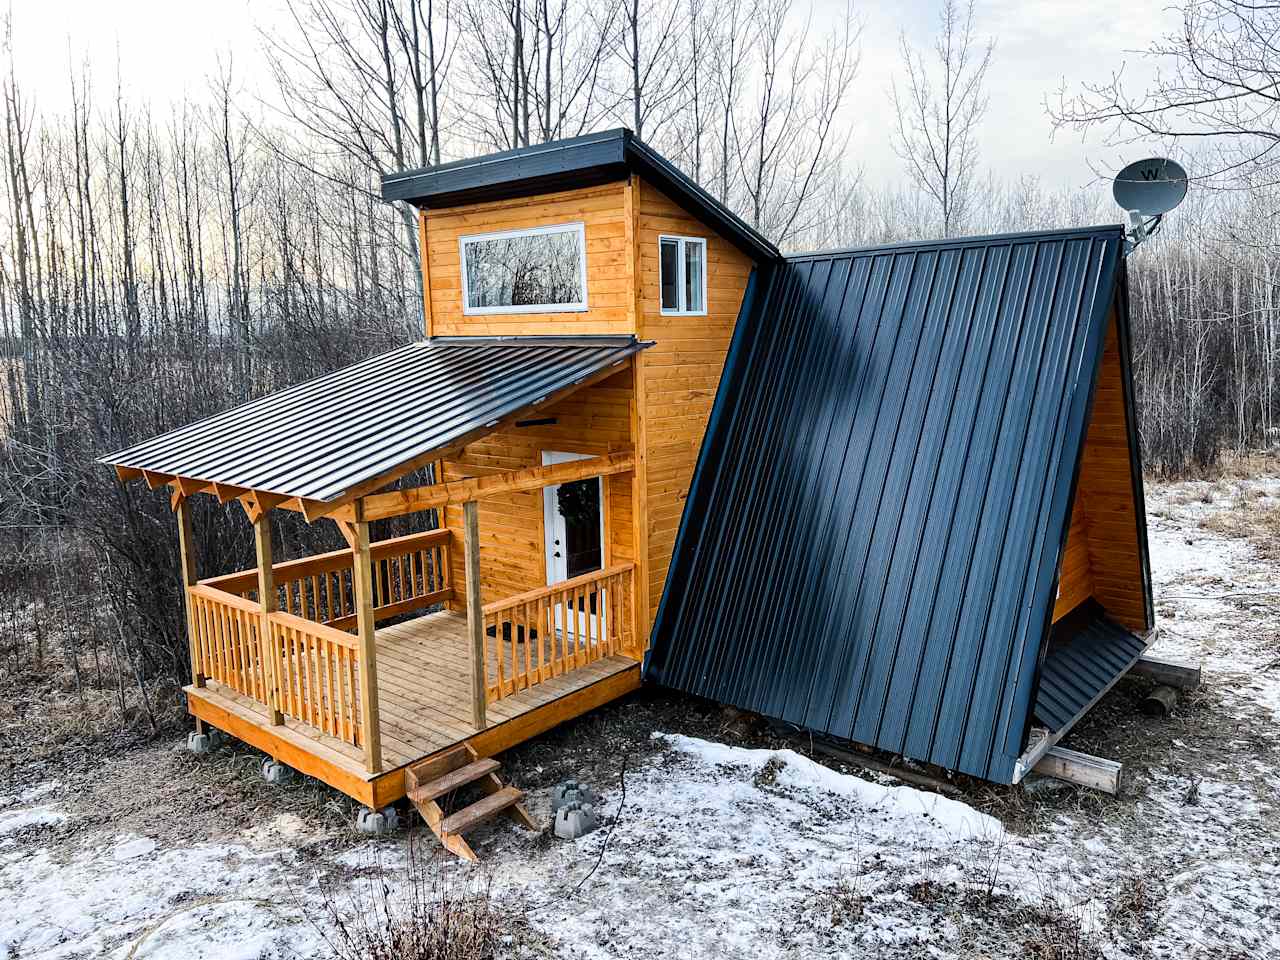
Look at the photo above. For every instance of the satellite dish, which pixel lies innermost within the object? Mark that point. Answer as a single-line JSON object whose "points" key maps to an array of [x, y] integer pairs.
{"points": [[1147, 190], [1152, 187]]}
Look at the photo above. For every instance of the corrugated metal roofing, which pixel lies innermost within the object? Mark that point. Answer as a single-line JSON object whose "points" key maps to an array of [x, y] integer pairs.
{"points": [[1087, 652], [568, 164], [323, 437], [869, 548]]}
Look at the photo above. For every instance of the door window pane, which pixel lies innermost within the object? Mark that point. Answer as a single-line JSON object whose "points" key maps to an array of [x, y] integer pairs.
{"points": [[670, 265], [579, 504]]}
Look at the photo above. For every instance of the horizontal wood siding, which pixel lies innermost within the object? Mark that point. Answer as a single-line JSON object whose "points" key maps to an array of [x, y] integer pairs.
{"points": [[599, 208], [682, 370], [512, 558], [1101, 557]]}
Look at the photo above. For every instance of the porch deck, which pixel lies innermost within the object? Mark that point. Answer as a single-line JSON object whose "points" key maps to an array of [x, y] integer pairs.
{"points": [[424, 706]]}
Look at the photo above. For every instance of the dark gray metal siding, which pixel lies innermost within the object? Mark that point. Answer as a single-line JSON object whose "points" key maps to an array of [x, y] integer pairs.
{"points": [[1087, 651], [870, 545], [320, 438]]}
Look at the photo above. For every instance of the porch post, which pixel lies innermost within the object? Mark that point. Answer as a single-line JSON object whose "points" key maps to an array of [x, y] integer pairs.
{"points": [[475, 613], [267, 602], [362, 583], [187, 553]]}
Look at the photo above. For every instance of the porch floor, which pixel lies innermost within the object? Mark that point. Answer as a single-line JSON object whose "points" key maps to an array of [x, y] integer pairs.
{"points": [[424, 696]]}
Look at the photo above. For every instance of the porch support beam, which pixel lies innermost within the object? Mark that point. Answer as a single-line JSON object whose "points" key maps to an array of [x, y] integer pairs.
{"points": [[362, 582], [267, 600], [187, 556], [475, 612], [439, 495]]}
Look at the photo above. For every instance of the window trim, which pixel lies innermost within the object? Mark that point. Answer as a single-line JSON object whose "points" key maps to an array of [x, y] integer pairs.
{"points": [[578, 307], [682, 311]]}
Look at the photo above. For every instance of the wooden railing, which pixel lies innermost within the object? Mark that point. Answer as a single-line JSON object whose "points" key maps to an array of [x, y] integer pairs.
{"points": [[549, 631], [305, 670], [409, 573], [226, 642], [317, 672]]}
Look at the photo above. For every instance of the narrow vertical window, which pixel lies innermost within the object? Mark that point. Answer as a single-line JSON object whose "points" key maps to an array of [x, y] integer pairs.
{"points": [[683, 281], [670, 257]]}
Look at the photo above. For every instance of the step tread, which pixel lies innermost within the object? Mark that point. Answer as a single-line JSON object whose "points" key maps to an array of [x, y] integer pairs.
{"points": [[470, 817], [453, 780]]}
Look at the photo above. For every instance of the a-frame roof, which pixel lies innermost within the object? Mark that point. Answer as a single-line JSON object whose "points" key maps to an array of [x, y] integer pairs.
{"points": [[337, 434], [870, 544]]}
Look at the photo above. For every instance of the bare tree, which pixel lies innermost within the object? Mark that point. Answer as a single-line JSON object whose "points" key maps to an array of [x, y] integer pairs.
{"points": [[939, 110], [1220, 86], [655, 77], [787, 143]]}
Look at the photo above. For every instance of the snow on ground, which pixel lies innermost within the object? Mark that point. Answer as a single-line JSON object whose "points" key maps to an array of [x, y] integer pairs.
{"points": [[721, 851]]}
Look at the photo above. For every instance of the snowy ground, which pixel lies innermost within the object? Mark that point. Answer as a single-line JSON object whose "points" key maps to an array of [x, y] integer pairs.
{"points": [[723, 850]]}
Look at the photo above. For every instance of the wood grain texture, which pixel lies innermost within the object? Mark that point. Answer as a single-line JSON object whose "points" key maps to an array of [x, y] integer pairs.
{"points": [[681, 376], [599, 209], [424, 707], [1102, 557]]}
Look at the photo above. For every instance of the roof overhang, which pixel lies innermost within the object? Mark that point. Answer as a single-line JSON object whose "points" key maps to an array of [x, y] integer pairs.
{"points": [[338, 437], [564, 165]]}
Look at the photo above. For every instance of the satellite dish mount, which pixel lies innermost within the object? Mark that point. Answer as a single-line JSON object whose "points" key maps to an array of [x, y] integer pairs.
{"points": [[1147, 190]]}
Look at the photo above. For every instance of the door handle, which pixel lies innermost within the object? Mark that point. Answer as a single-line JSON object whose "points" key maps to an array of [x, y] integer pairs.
{"points": [[556, 554]]}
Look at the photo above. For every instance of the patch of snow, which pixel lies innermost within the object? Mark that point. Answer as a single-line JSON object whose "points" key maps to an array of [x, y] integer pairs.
{"points": [[131, 849], [13, 820], [923, 811]]}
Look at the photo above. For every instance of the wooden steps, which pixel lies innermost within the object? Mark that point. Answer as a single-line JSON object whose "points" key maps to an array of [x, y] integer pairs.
{"points": [[433, 780]]}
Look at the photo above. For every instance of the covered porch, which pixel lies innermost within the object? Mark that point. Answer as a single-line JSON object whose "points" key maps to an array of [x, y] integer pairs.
{"points": [[356, 665]]}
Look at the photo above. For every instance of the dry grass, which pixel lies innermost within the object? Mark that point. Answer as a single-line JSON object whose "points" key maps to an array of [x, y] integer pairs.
{"points": [[1253, 517], [429, 909]]}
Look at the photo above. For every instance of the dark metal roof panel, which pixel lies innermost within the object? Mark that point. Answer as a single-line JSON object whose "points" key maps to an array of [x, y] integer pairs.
{"points": [[321, 438], [1087, 652], [566, 164], [870, 545]]}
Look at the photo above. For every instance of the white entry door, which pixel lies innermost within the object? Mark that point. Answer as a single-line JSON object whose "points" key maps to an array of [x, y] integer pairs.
{"points": [[573, 517]]}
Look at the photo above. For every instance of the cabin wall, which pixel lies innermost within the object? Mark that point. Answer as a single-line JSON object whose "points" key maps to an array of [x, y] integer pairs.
{"points": [[593, 421], [681, 371], [600, 209], [1102, 557]]}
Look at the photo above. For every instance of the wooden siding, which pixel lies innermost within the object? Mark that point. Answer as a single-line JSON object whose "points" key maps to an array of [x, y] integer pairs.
{"points": [[682, 371], [1101, 558], [512, 557], [679, 377], [600, 209]]}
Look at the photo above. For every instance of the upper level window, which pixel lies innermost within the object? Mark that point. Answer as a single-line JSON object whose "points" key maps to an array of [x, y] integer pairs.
{"points": [[538, 270], [683, 262]]}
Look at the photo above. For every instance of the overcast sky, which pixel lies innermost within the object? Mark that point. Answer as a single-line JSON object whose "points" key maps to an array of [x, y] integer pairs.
{"points": [[168, 47]]}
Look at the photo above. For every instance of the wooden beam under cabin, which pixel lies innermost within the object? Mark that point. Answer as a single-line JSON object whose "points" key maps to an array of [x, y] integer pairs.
{"points": [[380, 505], [1082, 769], [1172, 673]]}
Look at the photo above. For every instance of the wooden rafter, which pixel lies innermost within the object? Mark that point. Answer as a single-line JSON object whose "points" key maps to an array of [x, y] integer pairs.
{"points": [[381, 505]]}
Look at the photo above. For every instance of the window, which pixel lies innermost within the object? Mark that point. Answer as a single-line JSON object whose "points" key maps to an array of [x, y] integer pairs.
{"points": [[683, 263], [539, 270]]}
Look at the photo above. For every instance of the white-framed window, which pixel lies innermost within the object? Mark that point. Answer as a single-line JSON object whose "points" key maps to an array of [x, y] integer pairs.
{"points": [[682, 265], [536, 270]]}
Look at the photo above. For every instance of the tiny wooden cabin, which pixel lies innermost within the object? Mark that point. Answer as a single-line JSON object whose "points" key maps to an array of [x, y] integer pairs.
{"points": [[580, 300], [892, 495]]}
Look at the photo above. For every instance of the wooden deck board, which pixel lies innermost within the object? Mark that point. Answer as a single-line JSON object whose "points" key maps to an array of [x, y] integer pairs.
{"points": [[424, 701]]}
